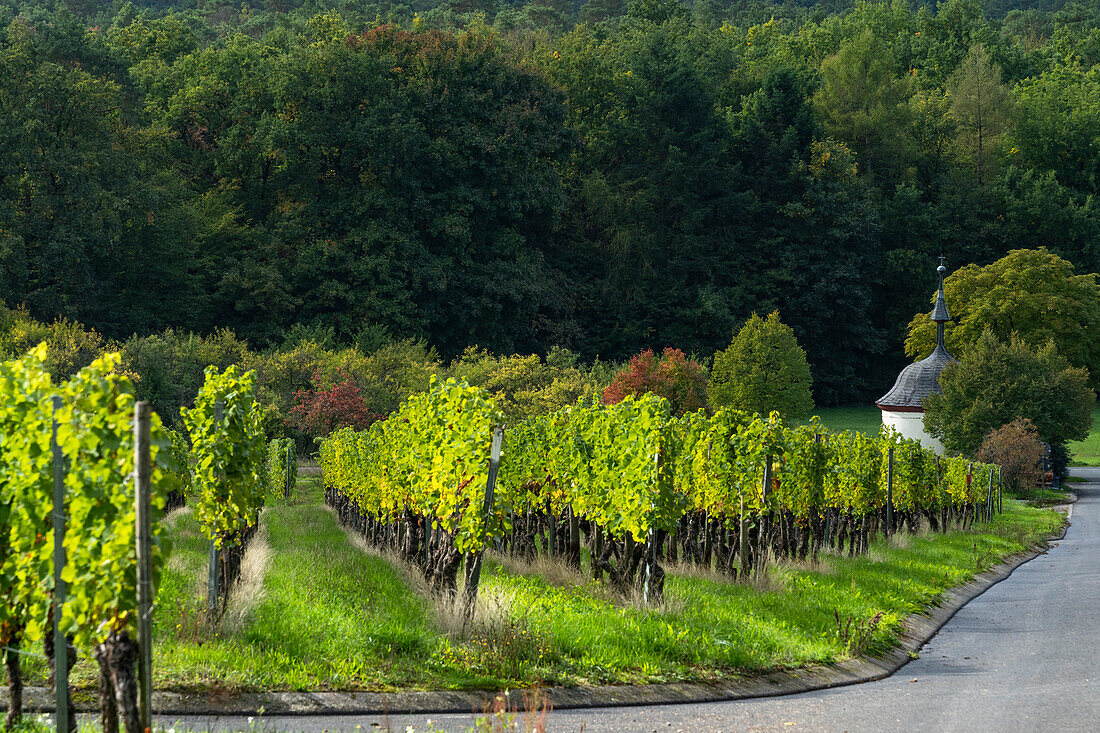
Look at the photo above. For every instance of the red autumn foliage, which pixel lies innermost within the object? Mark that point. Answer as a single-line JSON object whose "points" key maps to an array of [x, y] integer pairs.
{"points": [[323, 409], [675, 377], [1017, 449]]}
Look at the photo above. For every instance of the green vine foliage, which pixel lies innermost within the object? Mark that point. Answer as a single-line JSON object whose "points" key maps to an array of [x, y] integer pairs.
{"points": [[95, 434], [227, 457], [629, 467], [431, 457], [276, 467], [26, 495], [181, 460]]}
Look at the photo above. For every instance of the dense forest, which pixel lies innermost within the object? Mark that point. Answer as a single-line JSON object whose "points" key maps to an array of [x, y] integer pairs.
{"points": [[604, 177]]}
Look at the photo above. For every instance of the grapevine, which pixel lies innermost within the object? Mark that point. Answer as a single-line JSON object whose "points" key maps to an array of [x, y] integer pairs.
{"points": [[729, 490]]}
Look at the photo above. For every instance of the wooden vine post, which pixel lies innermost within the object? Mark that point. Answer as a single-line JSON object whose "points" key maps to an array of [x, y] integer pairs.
{"points": [[764, 529], [1000, 490], [290, 467], [746, 566], [490, 485], [890, 491], [60, 644], [142, 478], [989, 499], [819, 491], [650, 561], [574, 537], [650, 550]]}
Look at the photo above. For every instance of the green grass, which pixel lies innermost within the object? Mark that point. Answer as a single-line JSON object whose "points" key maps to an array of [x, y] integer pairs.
{"points": [[861, 419], [712, 628], [1043, 497], [331, 616], [1087, 452]]}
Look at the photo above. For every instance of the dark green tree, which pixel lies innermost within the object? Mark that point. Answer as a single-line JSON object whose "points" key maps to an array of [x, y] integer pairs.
{"points": [[999, 381], [658, 232]]}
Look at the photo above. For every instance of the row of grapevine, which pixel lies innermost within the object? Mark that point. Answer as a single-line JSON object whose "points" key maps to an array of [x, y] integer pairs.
{"points": [[417, 480], [74, 440], [727, 490], [228, 449], [280, 468]]}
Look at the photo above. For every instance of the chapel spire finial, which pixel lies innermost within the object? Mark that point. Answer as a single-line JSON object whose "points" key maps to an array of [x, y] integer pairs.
{"points": [[940, 316]]}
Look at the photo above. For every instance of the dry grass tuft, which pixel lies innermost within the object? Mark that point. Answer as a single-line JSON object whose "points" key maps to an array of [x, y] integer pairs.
{"points": [[808, 565], [248, 591], [702, 572], [771, 580], [552, 570]]}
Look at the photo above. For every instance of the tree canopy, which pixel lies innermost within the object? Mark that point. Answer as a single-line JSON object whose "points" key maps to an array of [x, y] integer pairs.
{"points": [[1000, 381], [1033, 294], [605, 177], [763, 370]]}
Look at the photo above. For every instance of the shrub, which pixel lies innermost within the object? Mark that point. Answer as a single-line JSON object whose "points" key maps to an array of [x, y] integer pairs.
{"points": [[763, 370], [1017, 449], [680, 380], [523, 386], [70, 346], [329, 407]]}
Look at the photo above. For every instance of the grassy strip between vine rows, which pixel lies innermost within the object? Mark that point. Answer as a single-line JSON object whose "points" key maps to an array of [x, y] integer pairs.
{"points": [[332, 616]]}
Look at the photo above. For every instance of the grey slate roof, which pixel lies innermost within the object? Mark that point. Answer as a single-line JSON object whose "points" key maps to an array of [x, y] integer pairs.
{"points": [[917, 381], [939, 313], [921, 379]]}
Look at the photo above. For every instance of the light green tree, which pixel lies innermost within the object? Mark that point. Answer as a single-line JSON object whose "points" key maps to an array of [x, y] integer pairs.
{"points": [[864, 102], [1032, 293], [762, 370], [980, 102]]}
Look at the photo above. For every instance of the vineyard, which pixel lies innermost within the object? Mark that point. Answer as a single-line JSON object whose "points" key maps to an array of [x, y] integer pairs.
{"points": [[726, 491], [86, 473], [69, 554], [614, 495]]}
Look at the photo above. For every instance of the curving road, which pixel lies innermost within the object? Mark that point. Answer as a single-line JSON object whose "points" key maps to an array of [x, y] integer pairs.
{"points": [[1024, 656]]}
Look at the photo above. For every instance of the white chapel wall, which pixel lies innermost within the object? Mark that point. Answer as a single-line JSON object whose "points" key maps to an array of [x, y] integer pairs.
{"points": [[911, 425]]}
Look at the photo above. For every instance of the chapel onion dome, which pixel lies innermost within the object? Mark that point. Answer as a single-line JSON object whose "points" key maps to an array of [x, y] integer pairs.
{"points": [[922, 378]]}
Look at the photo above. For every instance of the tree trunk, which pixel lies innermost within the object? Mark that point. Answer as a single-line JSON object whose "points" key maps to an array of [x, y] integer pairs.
{"points": [[108, 710], [15, 685], [442, 567], [122, 654]]}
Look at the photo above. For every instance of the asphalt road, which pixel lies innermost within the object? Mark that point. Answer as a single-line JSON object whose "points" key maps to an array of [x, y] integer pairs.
{"points": [[1024, 656]]}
